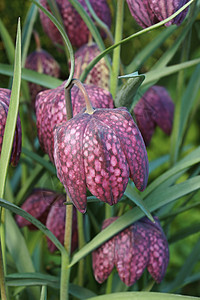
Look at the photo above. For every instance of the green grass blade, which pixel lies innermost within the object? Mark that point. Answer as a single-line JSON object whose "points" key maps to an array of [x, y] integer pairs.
{"points": [[8, 43], [12, 114], [145, 53], [18, 249], [142, 296], [64, 36], [17, 210], [165, 197], [27, 31], [185, 232], [111, 48]]}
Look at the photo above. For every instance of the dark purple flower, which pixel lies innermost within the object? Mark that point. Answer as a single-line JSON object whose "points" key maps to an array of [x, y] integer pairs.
{"points": [[51, 110], [48, 207], [76, 28], [100, 151], [155, 108], [141, 245], [150, 12], [4, 106], [99, 75], [42, 62]]}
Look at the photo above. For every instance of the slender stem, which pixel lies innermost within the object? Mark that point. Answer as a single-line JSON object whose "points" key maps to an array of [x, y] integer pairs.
{"points": [[37, 40], [68, 102], [2, 278], [65, 274], [81, 243], [89, 108], [109, 284], [116, 52], [108, 211], [68, 227]]}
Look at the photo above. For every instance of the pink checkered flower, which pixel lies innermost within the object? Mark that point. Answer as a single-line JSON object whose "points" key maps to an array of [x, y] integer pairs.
{"points": [[4, 106], [48, 207], [149, 12], [100, 150], [51, 110], [139, 246], [155, 108]]}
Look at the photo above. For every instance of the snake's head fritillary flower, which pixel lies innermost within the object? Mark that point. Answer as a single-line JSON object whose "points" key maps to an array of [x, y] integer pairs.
{"points": [[99, 75], [150, 12], [139, 246], [75, 27], [48, 207], [51, 110], [4, 106], [100, 151], [155, 108]]}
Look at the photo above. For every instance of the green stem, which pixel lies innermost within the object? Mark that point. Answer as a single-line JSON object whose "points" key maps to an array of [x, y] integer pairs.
{"points": [[108, 211], [65, 276], [2, 278], [116, 52], [109, 283], [81, 243], [89, 108]]}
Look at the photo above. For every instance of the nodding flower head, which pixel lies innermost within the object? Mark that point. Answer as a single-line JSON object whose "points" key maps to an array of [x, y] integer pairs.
{"points": [[100, 151], [48, 207], [4, 106], [150, 12], [155, 108], [51, 110], [139, 246]]}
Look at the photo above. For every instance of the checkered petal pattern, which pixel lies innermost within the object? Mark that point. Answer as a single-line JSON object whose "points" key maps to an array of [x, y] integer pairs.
{"points": [[93, 151], [76, 28], [51, 110], [99, 75], [147, 13], [4, 106], [141, 245], [155, 108]]}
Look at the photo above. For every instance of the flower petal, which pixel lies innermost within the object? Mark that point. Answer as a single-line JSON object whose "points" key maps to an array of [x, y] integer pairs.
{"points": [[106, 167], [68, 156], [131, 253], [131, 141]]}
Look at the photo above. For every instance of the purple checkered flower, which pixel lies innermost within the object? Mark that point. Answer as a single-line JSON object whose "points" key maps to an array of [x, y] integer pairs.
{"points": [[139, 246], [51, 110], [100, 150], [48, 207], [155, 108], [4, 106], [149, 12]]}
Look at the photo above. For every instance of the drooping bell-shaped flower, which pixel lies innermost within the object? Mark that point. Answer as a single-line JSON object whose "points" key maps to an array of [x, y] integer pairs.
{"points": [[99, 75], [75, 27], [150, 12], [51, 110], [155, 108], [139, 246], [48, 207], [4, 106], [99, 150]]}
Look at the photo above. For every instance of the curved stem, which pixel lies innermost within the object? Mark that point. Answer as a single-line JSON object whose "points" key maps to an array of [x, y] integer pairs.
{"points": [[116, 52], [89, 108]]}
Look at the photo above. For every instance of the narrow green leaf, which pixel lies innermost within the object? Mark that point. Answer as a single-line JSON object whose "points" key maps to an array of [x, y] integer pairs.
{"points": [[18, 249], [154, 75], [43, 295], [185, 232], [108, 50], [135, 197], [186, 269], [17, 210], [7, 42], [156, 163], [125, 95], [165, 197], [12, 114], [142, 296], [32, 76], [80, 292], [27, 30], [151, 47], [64, 36]]}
